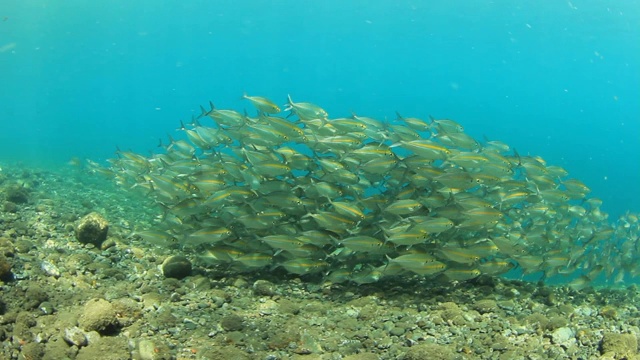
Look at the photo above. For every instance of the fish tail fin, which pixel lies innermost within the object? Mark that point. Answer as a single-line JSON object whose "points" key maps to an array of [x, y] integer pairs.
{"points": [[203, 112], [289, 104], [517, 156]]}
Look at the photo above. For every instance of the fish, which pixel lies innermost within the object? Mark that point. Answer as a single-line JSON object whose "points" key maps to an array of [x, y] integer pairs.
{"points": [[426, 149], [156, 237], [306, 110], [461, 274], [366, 244], [208, 235], [357, 199], [262, 104], [304, 266], [403, 207], [458, 255], [433, 225], [446, 125]]}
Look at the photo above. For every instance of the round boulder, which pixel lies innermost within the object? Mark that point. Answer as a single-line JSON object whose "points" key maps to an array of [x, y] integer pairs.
{"points": [[92, 229], [99, 315], [176, 267]]}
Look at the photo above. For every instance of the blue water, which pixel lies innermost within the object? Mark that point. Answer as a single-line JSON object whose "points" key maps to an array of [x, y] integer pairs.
{"points": [[559, 79]]}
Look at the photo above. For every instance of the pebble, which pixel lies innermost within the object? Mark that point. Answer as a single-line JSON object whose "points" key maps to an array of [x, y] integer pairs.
{"points": [[50, 269], [75, 336], [563, 336], [146, 349], [46, 308]]}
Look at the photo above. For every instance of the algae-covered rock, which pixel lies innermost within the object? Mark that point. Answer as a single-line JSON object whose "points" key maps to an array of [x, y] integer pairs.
{"points": [[609, 312], [176, 267], [106, 348], [150, 350], [232, 322], [620, 346], [10, 207], [430, 352], [17, 194], [34, 296], [92, 229], [99, 315], [485, 306], [263, 288], [223, 352], [32, 350]]}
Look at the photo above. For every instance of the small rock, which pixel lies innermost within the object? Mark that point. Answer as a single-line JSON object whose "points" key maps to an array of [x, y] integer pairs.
{"points": [[263, 288], [176, 267], [429, 351], [397, 331], [268, 307], [485, 306], [146, 349], [232, 323], [106, 348], [110, 242], [189, 324], [46, 308], [50, 269], [10, 207], [93, 337], [92, 229], [609, 312], [34, 296], [75, 336], [563, 336], [17, 194]]}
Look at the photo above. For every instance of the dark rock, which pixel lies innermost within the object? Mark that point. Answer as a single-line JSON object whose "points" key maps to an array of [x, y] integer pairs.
{"points": [[5, 268], [92, 229], [10, 207], [232, 322], [176, 267], [6, 247], [34, 296], [263, 288], [17, 194]]}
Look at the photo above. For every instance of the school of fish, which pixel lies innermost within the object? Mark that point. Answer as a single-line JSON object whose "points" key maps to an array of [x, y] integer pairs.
{"points": [[358, 199]]}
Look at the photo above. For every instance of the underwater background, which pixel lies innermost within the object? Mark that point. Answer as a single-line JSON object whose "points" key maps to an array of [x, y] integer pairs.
{"points": [[557, 79], [470, 192]]}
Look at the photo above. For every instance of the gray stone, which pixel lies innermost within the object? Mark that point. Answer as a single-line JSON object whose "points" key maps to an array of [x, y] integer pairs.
{"points": [[75, 336], [563, 336]]}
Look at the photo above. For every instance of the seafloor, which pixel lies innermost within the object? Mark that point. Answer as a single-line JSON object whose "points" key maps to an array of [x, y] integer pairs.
{"points": [[61, 299]]}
